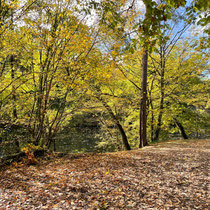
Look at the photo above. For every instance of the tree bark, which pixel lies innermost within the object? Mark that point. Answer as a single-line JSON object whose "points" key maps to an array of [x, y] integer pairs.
{"points": [[143, 104], [14, 111], [162, 93], [14, 108], [119, 126], [150, 100], [40, 113], [181, 128]]}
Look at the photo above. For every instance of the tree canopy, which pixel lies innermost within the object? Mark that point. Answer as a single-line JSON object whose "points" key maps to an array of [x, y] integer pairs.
{"points": [[113, 59]]}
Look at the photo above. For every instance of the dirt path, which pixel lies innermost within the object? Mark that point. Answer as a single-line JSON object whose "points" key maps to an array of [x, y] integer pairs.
{"points": [[167, 175]]}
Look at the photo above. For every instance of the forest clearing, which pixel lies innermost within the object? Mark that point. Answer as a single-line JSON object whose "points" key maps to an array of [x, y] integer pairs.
{"points": [[167, 175], [104, 104]]}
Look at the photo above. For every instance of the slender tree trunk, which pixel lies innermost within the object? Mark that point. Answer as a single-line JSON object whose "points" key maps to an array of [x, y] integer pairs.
{"points": [[181, 128], [152, 128], [119, 126], [39, 112], [143, 103], [159, 123], [14, 111], [152, 133], [162, 94], [124, 137], [40, 108], [152, 123]]}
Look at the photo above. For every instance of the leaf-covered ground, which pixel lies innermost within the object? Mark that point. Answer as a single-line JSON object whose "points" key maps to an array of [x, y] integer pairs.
{"points": [[167, 175]]}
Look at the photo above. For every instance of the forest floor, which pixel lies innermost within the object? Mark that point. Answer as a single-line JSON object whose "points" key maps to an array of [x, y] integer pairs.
{"points": [[167, 175]]}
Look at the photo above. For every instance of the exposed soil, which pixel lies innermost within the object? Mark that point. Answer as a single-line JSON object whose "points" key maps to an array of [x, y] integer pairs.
{"points": [[168, 175]]}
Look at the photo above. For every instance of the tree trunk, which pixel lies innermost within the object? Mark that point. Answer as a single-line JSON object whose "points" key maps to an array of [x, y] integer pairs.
{"points": [[39, 112], [158, 129], [143, 103], [150, 100], [124, 137], [162, 93], [181, 128], [119, 126], [14, 111]]}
